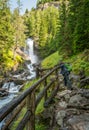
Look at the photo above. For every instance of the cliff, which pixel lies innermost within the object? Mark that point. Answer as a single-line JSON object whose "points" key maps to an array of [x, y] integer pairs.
{"points": [[48, 4]]}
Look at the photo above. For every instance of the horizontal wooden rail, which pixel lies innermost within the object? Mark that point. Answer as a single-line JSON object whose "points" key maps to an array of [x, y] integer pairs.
{"points": [[12, 115], [29, 116], [41, 94]]}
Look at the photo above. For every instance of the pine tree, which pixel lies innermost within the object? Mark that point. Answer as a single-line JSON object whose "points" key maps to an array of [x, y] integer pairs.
{"points": [[6, 31], [81, 32]]}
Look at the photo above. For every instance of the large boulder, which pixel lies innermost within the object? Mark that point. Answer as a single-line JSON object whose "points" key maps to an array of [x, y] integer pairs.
{"points": [[79, 122]]}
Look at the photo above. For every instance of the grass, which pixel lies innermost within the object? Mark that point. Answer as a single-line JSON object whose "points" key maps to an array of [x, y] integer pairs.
{"points": [[40, 127], [18, 119], [29, 84], [51, 60], [79, 62]]}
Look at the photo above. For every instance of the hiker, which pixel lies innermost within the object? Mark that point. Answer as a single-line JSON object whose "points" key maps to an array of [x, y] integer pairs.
{"points": [[65, 71]]}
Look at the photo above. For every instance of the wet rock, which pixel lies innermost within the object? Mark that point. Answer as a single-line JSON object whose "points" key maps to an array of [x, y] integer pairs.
{"points": [[3, 92], [17, 81]]}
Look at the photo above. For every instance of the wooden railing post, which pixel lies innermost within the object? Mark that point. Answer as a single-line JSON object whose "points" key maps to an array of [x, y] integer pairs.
{"points": [[37, 72], [45, 84], [31, 107], [57, 77]]}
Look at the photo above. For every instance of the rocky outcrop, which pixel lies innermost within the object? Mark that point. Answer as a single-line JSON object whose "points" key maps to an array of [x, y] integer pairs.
{"points": [[22, 54], [48, 4]]}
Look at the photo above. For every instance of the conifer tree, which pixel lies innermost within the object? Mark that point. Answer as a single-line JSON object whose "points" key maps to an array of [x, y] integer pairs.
{"points": [[81, 31], [6, 31]]}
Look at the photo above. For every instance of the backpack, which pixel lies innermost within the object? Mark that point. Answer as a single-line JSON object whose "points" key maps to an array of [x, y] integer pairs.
{"points": [[69, 67]]}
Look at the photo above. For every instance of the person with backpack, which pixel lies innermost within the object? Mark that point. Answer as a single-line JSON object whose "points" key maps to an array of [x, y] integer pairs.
{"points": [[65, 71]]}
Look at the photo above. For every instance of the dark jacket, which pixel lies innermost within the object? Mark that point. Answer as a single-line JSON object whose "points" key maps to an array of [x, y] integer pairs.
{"points": [[64, 69]]}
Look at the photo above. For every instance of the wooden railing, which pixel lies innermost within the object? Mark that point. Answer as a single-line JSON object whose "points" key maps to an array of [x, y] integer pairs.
{"points": [[30, 98]]}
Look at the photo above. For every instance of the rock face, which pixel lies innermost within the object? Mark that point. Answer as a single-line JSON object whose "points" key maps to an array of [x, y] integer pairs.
{"points": [[48, 4]]}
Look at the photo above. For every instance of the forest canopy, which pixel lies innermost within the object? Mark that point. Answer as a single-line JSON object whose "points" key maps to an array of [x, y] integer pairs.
{"points": [[53, 29], [66, 28]]}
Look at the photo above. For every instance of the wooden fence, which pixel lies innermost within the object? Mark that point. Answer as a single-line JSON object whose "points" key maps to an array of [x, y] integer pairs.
{"points": [[30, 98]]}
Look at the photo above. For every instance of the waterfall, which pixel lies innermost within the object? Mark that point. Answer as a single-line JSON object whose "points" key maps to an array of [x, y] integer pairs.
{"points": [[10, 86], [31, 53]]}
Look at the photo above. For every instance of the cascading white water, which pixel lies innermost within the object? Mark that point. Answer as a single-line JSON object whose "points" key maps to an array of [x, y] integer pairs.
{"points": [[10, 86], [31, 53], [33, 58]]}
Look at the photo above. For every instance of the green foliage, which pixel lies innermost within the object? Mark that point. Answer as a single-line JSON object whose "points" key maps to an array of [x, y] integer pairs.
{"points": [[19, 118], [66, 29], [44, 1], [79, 62], [29, 84], [40, 127], [86, 87], [12, 31], [40, 107], [42, 27], [7, 61], [51, 60], [18, 28], [6, 31]]}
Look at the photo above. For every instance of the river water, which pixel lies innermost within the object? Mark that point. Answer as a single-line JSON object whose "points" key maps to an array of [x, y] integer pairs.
{"points": [[11, 86]]}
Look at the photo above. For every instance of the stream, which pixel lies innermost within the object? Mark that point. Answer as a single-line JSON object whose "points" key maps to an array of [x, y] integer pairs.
{"points": [[14, 89]]}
